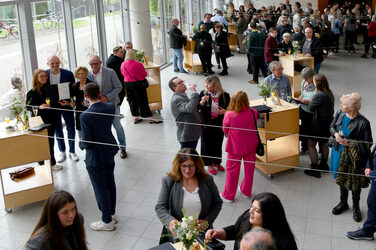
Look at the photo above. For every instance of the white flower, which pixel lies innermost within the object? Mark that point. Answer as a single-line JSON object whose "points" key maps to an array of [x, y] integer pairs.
{"points": [[184, 219], [184, 224], [189, 236]]}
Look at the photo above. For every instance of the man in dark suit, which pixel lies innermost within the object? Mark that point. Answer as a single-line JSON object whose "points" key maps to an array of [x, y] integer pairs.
{"points": [[57, 75], [177, 41], [101, 147], [114, 62]]}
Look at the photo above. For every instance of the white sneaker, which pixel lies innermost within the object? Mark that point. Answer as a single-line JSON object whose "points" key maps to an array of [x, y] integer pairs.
{"points": [[247, 197], [62, 156], [56, 167], [226, 200], [74, 156], [114, 219], [101, 226]]}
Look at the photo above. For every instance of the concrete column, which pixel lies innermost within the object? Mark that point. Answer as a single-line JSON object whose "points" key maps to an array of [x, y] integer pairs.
{"points": [[139, 12]]}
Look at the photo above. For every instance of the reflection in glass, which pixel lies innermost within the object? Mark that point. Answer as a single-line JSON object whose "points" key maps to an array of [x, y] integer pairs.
{"points": [[156, 31], [113, 24]]}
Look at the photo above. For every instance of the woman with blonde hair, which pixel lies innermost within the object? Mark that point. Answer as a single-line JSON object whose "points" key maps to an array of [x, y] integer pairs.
{"points": [[351, 140], [213, 104], [134, 77], [239, 126], [187, 187]]}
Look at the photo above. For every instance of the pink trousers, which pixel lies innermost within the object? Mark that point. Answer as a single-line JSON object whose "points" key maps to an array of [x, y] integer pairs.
{"points": [[233, 172]]}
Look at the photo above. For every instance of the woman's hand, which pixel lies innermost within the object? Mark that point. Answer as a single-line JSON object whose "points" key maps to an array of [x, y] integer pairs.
{"points": [[307, 55], [171, 226], [305, 101], [367, 172], [221, 111], [44, 106], [204, 100], [341, 140], [203, 224], [215, 233], [64, 103]]}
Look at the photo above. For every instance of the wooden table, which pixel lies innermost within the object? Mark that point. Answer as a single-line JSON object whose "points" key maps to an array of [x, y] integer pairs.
{"points": [[291, 65], [154, 89], [179, 246], [233, 37], [20, 148], [189, 63], [281, 147]]}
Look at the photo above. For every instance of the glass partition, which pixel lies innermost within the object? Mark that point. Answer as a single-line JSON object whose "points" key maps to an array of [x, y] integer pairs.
{"points": [[113, 24], [156, 31]]}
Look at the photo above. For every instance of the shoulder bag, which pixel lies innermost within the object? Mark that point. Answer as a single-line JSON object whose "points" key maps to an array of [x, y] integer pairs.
{"points": [[144, 82], [260, 147]]}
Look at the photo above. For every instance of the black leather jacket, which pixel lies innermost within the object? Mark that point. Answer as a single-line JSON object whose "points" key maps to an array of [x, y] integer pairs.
{"points": [[360, 130]]}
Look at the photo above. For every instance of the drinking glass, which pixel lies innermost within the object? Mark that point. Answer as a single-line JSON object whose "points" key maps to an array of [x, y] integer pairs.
{"points": [[35, 110], [288, 98], [283, 95], [48, 101], [7, 120]]}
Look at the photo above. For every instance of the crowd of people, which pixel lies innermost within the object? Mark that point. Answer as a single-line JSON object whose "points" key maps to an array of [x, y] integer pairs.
{"points": [[210, 116]]}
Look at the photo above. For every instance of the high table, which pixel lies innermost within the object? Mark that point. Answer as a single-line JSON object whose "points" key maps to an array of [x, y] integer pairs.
{"points": [[292, 67], [280, 136], [154, 90], [189, 63], [20, 148]]}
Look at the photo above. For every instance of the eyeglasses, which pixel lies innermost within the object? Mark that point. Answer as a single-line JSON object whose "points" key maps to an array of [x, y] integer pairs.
{"points": [[256, 209], [180, 82], [187, 166], [93, 64]]}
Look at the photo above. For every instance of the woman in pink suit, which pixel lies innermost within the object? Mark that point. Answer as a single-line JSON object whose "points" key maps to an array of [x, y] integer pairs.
{"points": [[239, 127]]}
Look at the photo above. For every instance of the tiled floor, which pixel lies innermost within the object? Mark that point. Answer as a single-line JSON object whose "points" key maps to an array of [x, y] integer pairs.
{"points": [[151, 147]]}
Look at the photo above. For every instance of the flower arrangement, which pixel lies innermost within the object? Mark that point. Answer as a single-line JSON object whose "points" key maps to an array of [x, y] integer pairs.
{"points": [[296, 47], [140, 55], [188, 229], [265, 89], [17, 109]]}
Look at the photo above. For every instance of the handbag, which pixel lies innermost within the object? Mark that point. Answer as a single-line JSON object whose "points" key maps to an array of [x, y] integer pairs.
{"points": [[144, 83], [260, 147]]}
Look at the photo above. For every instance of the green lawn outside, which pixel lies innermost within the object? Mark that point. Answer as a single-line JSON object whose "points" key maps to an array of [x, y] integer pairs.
{"points": [[77, 23]]}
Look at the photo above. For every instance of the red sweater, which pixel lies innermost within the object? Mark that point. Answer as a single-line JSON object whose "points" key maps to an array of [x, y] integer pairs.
{"points": [[271, 48], [372, 29]]}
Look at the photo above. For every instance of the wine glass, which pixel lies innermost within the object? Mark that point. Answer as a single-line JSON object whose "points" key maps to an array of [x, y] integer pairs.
{"points": [[206, 93], [283, 95], [288, 98], [7, 120], [35, 110], [290, 51], [48, 101]]}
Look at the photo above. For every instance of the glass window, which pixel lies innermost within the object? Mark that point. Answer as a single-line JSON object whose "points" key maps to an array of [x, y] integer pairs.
{"points": [[196, 13], [184, 23], [169, 13], [11, 64], [156, 31], [85, 31], [49, 32], [113, 24]]}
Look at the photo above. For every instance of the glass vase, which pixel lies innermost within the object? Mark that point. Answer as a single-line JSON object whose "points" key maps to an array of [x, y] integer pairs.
{"points": [[265, 102], [187, 245]]}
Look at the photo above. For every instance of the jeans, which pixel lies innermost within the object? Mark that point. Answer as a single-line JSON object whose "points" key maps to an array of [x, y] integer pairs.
{"points": [[119, 129], [369, 225], [69, 122], [317, 67], [178, 60]]}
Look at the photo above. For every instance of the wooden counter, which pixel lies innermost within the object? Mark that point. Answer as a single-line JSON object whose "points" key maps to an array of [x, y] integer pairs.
{"points": [[189, 63], [154, 90]]}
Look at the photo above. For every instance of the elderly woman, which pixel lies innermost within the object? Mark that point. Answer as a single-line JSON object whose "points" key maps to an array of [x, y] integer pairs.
{"points": [[286, 46], [308, 90], [351, 139], [134, 75], [187, 187], [60, 225], [322, 106], [78, 93], [15, 93], [37, 97], [221, 46], [239, 126], [213, 104], [204, 49], [266, 212]]}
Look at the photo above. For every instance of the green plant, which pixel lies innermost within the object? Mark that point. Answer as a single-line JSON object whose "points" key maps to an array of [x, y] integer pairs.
{"points": [[265, 89], [296, 46], [140, 55], [17, 109]]}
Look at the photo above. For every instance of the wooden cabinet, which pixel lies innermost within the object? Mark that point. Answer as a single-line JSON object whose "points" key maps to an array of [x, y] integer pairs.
{"points": [[292, 66], [190, 63], [154, 89], [280, 136], [20, 148], [232, 37]]}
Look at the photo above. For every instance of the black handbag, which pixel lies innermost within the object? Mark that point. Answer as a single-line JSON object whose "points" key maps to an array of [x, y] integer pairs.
{"points": [[260, 147], [144, 83]]}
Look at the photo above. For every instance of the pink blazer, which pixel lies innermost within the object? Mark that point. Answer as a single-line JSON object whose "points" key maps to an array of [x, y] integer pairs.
{"points": [[240, 141], [135, 69]]}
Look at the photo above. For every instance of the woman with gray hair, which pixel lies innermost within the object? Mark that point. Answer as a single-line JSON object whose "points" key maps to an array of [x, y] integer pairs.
{"points": [[351, 140], [134, 77], [308, 90], [285, 45], [15, 93]]}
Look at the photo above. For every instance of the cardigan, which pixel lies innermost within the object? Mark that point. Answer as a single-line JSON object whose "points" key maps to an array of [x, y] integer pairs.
{"points": [[133, 71]]}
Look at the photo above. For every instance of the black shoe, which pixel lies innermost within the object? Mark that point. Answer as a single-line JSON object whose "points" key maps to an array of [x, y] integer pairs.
{"points": [[211, 72], [219, 66], [123, 154], [374, 56], [223, 73], [359, 235], [324, 166], [364, 56], [313, 173], [205, 74], [341, 207], [357, 215]]}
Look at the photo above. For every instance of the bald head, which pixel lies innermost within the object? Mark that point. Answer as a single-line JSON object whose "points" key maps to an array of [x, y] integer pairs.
{"points": [[95, 63], [54, 63], [258, 239]]}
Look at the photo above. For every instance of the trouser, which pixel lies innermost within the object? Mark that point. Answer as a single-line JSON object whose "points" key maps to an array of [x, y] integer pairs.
{"points": [[249, 67], [350, 39], [223, 61], [233, 172], [103, 182], [336, 41], [305, 119], [205, 59], [369, 225], [178, 60], [138, 99], [188, 144], [69, 123], [258, 64], [241, 45], [122, 93], [317, 67], [51, 142], [345, 193], [119, 129], [371, 42], [217, 58], [211, 145]]}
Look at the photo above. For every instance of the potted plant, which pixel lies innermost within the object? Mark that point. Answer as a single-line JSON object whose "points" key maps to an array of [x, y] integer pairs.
{"points": [[17, 109], [296, 48], [140, 55], [265, 89]]}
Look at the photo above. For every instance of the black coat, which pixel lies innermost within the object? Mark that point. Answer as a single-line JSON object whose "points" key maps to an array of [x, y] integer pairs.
{"points": [[34, 98], [322, 107], [114, 62], [203, 42], [221, 39], [224, 101], [316, 49], [177, 40]]}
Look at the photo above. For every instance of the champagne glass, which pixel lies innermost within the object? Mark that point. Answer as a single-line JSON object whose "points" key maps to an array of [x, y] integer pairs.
{"points": [[206, 93], [48, 101], [35, 110], [290, 51], [283, 95], [288, 98], [7, 120]]}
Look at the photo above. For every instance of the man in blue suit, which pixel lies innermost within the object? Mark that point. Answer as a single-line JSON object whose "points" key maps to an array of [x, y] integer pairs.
{"points": [[110, 87], [369, 226], [57, 75], [101, 148]]}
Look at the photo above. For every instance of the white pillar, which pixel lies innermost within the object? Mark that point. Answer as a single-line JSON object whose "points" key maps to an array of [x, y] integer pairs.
{"points": [[218, 4], [140, 26]]}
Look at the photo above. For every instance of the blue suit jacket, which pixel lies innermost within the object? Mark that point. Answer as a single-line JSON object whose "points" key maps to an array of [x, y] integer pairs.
{"points": [[97, 128], [52, 91]]}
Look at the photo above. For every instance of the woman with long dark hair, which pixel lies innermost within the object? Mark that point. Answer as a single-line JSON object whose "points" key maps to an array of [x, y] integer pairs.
{"points": [[60, 226], [266, 212], [322, 106]]}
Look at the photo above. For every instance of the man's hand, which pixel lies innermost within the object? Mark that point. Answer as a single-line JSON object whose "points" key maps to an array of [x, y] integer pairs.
{"points": [[171, 226], [104, 98], [44, 106], [221, 111], [367, 172], [64, 103], [193, 87]]}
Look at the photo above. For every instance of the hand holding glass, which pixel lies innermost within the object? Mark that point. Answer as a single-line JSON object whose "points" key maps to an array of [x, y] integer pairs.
{"points": [[35, 110]]}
